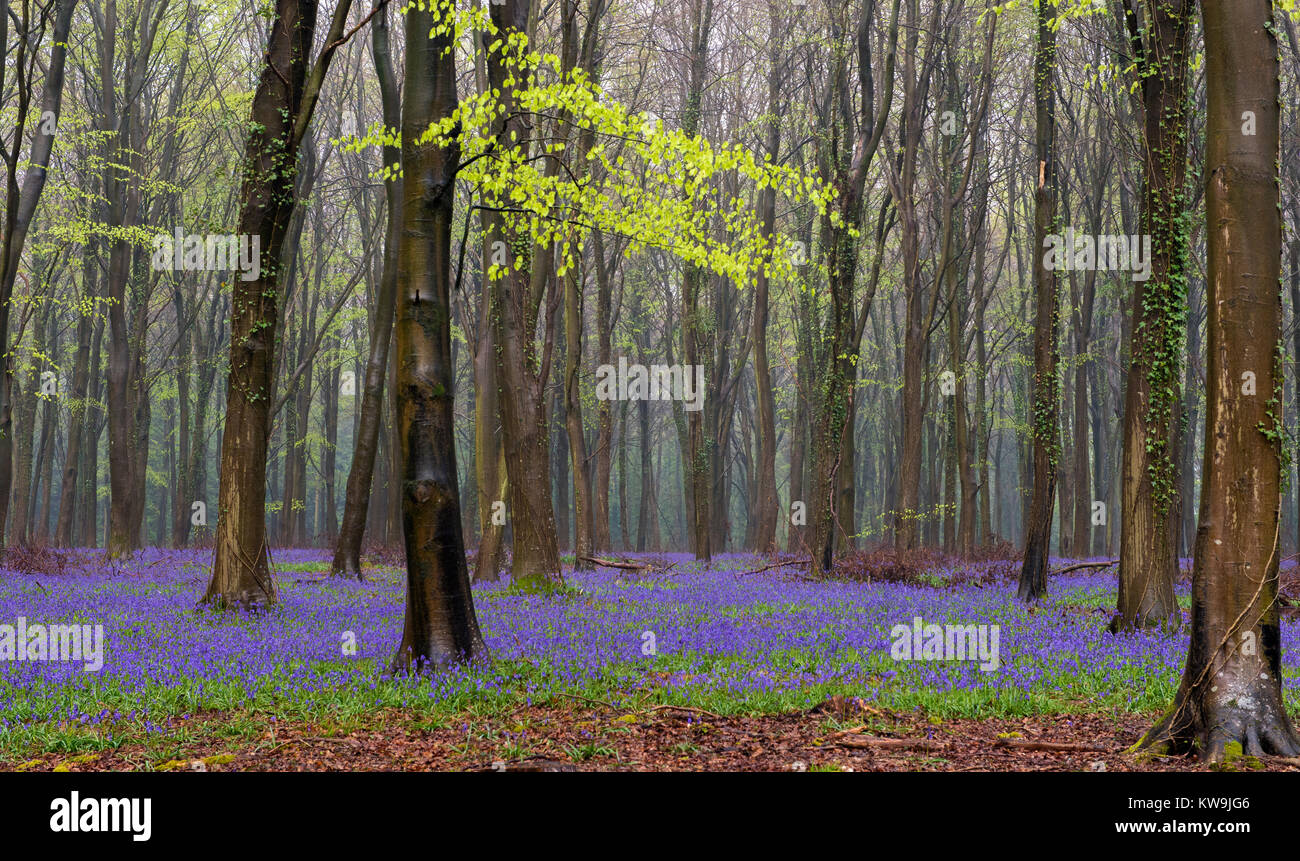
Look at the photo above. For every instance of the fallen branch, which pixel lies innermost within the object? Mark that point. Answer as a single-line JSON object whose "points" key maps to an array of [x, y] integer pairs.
{"points": [[1079, 565], [612, 563], [531, 764], [847, 739], [892, 743], [1051, 746], [857, 730], [786, 564]]}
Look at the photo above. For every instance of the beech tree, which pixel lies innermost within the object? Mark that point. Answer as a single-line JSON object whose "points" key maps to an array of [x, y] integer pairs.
{"points": [[281, 113], [347, 554], [440, 626], [848, 149], [1045, 387], [1160, 33], [1230, 698], [21, 202]]}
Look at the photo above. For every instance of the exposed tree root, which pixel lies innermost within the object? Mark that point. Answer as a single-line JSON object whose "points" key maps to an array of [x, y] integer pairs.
{"points": [[1250, 725]]}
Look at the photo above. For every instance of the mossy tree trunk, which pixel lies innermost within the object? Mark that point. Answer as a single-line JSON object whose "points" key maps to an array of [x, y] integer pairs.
{"points": [[1045, 391], [1148, 549]]}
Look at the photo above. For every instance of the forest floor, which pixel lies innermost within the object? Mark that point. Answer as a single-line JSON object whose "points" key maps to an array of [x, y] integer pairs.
{"points": [[666, 668], [599, 739]]}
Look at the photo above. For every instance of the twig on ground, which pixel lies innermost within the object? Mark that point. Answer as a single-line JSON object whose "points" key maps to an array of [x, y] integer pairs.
{"points": [[686, 709]]}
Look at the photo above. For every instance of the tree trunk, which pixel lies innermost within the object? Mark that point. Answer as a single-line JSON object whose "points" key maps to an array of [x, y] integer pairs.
{"points": [[579, 53], [765, 501], [281, 112], [1044, 394], [1295, 313], [20, 206], [522, 373], [329, 467], [1149, 518], [584, 544], [1230, 698], [365, 445], [837, 344], [489, 455], [604, 409], [697, 454], [88, 507], [917, 71], [77, 412], [440, 627]]}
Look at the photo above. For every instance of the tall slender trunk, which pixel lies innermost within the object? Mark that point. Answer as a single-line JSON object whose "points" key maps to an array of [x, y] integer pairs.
{"points": [[585, 526], [440, 626], [182, 492], [522, 369], [490, 476], [330, 380], [917, 72], [647, 514], [281, 112], [77, 412], [1295, 306], [20, 207], [764, 499], [831, 393], [624, 534], [604, 409], [27, 398], [1045, 389], [697, 454], [796, 514], [88, 506], [489, 455], [40, 510], [1149, 517], [365, 446], [579, 52]]}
